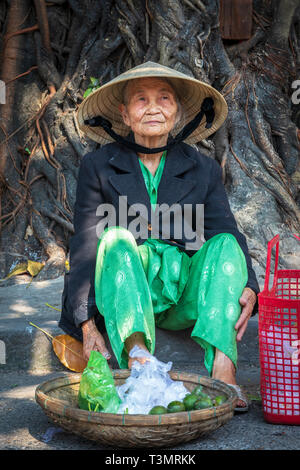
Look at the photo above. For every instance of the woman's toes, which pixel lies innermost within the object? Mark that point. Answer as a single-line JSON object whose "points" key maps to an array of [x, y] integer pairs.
{"points": [[141, 360], [241, 404]]}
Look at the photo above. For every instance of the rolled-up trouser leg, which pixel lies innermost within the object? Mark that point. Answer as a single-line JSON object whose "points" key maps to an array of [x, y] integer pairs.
{"points": [[121, 291], [210, 300]]}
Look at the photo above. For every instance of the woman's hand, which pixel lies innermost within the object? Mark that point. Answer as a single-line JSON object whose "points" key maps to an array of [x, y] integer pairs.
{"points": [[247, 300], [93, 340]]}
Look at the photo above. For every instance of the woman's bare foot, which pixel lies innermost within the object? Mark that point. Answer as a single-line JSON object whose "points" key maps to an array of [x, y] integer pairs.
{"points": [[141, 360], [224, 370], [136, 339]]}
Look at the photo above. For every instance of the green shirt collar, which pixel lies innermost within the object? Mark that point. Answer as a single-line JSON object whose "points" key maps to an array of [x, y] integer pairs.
{"points": [[152, 182]]}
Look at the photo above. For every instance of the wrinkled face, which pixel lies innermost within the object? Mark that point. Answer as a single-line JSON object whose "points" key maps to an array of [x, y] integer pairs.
{"points": [[151, 107]]}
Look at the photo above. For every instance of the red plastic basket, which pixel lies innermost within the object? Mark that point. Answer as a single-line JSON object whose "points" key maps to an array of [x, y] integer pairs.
{"points": [[279, 342]]}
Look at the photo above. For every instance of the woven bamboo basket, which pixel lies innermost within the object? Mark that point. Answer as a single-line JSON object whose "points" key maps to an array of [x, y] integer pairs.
{"points": [[58, 399]]}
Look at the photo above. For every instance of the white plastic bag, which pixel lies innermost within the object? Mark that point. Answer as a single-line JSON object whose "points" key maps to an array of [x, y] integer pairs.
{"points": [[149, 385]]}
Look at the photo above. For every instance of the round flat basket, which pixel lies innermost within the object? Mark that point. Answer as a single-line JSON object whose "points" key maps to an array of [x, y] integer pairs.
{"points": [[58, 399]]}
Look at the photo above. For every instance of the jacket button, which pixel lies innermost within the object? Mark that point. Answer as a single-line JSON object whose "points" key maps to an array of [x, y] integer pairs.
{"points": [[149, 227]]}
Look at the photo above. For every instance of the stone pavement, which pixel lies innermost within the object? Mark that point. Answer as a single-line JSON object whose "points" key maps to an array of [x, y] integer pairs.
{"points": [[30, 360]]}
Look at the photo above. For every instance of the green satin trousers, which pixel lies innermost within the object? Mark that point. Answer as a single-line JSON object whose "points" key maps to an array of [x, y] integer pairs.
{"points": [[155, 284]]}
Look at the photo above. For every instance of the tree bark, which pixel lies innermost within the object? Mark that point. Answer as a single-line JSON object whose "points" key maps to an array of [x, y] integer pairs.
{"points": [[51, 49]]}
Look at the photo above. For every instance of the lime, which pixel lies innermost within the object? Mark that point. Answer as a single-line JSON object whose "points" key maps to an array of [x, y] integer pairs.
{"points": [[189, 401], [203, 403], [158, 410], [220, 399], [175, 407], [198, 391]]}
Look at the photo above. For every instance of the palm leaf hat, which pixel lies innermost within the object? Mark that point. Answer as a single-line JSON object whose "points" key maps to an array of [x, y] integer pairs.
{"points": [[99, 117]]}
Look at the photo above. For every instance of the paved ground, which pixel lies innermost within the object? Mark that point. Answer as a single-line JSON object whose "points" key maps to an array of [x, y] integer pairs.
{"points": [[30, 361]]}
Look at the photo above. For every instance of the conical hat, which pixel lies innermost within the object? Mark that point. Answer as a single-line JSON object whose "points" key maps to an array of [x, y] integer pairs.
{"points": [[191, 92]]}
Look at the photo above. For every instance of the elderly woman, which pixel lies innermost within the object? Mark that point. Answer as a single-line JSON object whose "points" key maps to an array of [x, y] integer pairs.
{"points": [[132, 282]]}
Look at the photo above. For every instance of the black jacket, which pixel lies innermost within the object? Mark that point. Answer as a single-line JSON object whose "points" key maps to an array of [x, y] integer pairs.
{"points": [[189, 177]]}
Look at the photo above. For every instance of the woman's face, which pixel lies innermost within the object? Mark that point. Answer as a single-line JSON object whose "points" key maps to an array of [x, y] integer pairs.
{"points": [[151, 107]]}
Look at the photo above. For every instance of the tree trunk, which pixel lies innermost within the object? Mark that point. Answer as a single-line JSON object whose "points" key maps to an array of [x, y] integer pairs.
{"points": [[51, 49]]}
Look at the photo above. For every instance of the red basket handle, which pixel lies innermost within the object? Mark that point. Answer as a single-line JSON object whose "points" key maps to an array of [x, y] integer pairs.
{"points": [[271, 244]]}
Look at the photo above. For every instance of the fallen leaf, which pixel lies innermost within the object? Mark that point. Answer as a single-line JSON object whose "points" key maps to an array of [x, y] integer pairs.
{"points": [[55, 308], [34, 267], [70, 352], [28, 232], [21, 268], [29, 266]]}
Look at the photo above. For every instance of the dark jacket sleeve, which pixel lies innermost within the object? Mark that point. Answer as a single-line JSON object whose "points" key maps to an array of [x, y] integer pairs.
{"points": [[220, 219], [83, 244]]}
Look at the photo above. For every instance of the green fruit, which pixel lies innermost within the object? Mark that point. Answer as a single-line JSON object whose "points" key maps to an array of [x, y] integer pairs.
{"points": [[189, 401], [220, 399], [175, 407], [158, 410], [197, 390], [203, 403]]}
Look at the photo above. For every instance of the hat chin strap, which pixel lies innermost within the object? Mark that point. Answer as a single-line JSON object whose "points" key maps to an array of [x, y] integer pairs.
{"points": [[207, 108]]}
